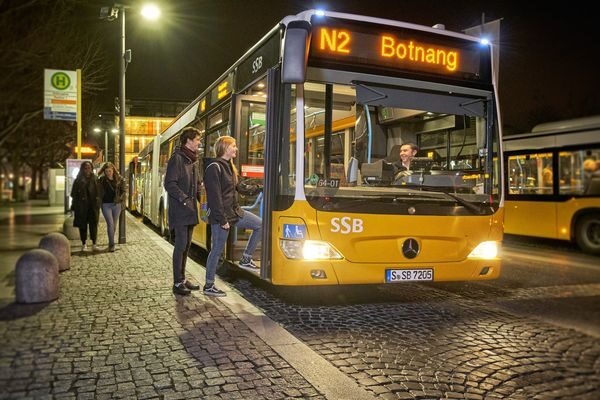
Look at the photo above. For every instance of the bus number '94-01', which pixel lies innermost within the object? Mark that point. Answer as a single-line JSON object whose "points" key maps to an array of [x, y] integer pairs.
{"points": [[346, 225]]}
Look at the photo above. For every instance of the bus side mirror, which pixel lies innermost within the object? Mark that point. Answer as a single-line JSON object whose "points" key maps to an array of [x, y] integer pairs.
{"points": [[295, 52]]}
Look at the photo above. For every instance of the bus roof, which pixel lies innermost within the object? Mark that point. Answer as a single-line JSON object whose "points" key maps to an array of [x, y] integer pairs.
{"points": [[308, 14], [570, 132], [568, 125]]}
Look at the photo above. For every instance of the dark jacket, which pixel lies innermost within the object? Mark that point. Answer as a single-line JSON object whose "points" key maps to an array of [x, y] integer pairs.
{"points": [[220, 188], [182, 184], [86, 200], [119, 186]]}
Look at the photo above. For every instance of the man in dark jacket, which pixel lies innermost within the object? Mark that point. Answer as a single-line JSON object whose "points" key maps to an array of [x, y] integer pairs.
{"points": [[183, 186]]}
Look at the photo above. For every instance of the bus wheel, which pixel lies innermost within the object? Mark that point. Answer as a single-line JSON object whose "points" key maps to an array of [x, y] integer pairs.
{"points": [[162, 223], [588, 233]]}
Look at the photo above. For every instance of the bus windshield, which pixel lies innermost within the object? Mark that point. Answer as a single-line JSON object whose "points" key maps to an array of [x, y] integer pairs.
{"points": [[384, 150]]}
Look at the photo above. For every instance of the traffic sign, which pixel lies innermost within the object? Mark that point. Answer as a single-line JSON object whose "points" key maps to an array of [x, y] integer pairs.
{"points": [[60, 95]]}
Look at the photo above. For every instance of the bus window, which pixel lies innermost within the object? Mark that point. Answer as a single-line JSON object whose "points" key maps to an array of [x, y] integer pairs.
{"points": [[326, 160], [356, 157], [530, 174], [579, 172], [163, 157], [286, 182]]}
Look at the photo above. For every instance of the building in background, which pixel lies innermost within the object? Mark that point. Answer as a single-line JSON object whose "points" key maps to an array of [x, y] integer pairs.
{"points": [[144, 120]]}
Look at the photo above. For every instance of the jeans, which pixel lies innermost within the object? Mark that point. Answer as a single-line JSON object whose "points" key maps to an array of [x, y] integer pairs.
{"points": [[251, 221], [183, 241], [111, 212], [219, 239]]}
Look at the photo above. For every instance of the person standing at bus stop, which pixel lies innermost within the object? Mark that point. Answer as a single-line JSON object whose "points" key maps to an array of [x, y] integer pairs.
{"points": [[112, 192], [221, 181], [86, 204], [182, 185]]}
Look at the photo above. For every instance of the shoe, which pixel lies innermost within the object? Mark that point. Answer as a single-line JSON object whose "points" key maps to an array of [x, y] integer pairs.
{"points": [[247, 262], [180, 288], [84, 248], [95, 248], [189, 285], [111, 248], [213, 291]]}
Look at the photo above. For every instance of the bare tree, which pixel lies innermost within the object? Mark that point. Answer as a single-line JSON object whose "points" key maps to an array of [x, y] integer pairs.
{"points": [[34, 35]]}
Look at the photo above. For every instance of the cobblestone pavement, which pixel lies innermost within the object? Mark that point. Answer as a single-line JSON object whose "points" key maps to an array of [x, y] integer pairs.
{"points": [[420, 342], [118, 332]]}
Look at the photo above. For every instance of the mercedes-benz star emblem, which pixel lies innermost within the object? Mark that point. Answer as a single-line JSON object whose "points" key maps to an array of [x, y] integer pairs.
{"points": [[410, 248]]}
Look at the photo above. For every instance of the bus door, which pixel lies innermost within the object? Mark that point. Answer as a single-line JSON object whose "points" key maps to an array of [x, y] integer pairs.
{"points": [[211, 128], [249, 131]]}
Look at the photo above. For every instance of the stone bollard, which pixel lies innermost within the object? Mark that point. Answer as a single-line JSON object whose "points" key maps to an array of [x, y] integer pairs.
{"points": [[36, 277], [69, 230], [58, 244]]}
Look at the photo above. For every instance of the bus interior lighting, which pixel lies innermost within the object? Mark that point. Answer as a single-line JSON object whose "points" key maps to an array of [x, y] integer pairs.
{"points": [[320, 13], [484, 41], [486, 250]]}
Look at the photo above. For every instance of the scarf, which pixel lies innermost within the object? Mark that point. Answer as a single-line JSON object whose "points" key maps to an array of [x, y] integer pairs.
{"points": [[192, 155]]}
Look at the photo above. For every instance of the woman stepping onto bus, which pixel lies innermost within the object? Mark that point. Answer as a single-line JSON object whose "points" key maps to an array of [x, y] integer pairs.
{"points": [[221, 181]]}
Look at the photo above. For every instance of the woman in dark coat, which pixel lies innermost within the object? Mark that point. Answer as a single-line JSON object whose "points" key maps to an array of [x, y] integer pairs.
{"points": [[86, 204]]}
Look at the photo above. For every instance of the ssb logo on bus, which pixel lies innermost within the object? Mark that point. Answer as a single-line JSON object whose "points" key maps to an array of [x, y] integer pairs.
{"points": [[346, 225]]}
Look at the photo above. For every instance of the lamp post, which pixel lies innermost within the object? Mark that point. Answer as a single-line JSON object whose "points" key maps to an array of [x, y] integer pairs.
{"points": [[113, 130], [111, 13], [123, 66]]}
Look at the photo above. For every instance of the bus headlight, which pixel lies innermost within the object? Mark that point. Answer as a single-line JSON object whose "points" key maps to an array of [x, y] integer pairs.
{"points": [[308, 250], [485, 250]]}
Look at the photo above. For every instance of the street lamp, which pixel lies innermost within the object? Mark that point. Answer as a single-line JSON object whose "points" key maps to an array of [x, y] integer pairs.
{"points": [[113, 130], [112, 13]]}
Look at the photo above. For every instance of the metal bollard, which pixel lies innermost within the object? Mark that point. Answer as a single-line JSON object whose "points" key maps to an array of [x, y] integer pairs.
{"points": [[36, 277], [58, 244]]}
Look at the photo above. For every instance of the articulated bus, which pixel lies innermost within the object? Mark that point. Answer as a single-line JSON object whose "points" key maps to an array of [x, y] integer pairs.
{"points": [[320, 107], [553, 182]]}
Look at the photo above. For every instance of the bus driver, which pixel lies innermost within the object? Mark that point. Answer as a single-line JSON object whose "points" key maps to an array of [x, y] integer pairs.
{"points": [[407, 152]]}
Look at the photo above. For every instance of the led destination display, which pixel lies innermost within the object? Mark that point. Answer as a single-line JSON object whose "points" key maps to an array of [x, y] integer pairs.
{"points": [[398, 49]]}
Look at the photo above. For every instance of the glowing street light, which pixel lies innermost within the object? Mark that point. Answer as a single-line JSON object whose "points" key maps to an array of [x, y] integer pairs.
{"points": [[150, 12], [117, 11], [113, 130]]}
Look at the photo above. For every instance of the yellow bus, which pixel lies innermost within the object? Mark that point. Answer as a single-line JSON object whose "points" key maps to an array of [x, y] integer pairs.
{"points": [[320, 108], [553, 182]]}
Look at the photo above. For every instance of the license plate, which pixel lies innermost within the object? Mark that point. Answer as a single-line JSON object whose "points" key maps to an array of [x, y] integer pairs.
{"points": [[409, 275]]}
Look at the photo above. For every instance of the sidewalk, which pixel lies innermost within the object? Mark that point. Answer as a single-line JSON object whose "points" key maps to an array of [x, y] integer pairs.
{"points": [[22, 225], [117, 331]]}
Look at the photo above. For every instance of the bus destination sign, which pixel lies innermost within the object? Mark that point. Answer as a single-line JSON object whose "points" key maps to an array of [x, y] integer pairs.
{"points": [[398, 49]]}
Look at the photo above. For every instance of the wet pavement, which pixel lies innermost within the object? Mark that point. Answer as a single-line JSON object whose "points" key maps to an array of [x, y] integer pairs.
{"points": [[22, 225], [117, 331]]}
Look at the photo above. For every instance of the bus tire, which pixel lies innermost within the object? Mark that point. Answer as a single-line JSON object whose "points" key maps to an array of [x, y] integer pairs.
{"points": [[162, 226], [587, 233]]}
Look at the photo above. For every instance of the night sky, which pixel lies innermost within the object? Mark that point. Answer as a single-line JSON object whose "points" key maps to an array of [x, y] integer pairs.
{"points": [[549, 57]]}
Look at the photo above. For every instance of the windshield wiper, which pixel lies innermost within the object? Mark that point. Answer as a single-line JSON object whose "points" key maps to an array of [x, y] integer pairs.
{"points": [[468, 205]]}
